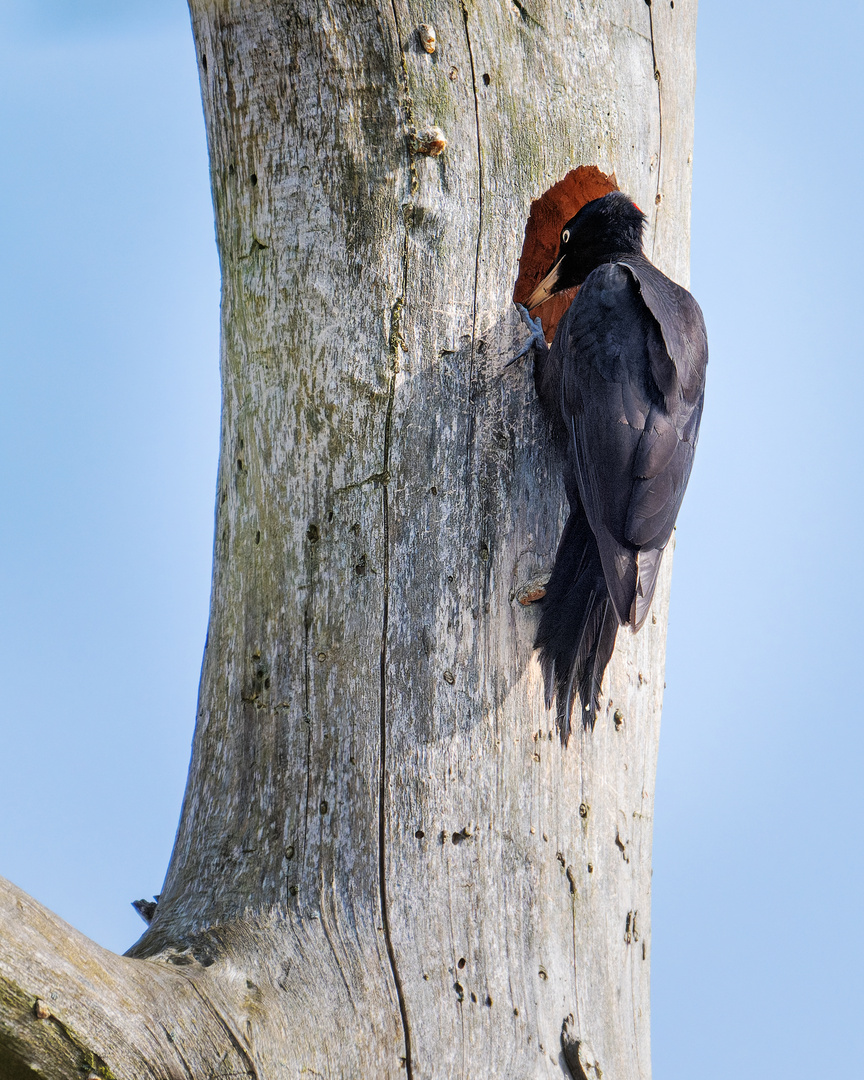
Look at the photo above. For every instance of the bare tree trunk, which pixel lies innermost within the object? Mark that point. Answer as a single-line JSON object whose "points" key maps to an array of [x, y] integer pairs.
{"points": [[387, 864]]}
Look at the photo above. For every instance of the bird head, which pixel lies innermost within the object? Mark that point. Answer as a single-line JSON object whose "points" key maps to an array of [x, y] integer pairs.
{"points": [[602, 228]]}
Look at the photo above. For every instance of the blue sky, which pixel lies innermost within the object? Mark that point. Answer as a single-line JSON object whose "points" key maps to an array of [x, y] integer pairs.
{"points": [[109, 427], [109, 430]]}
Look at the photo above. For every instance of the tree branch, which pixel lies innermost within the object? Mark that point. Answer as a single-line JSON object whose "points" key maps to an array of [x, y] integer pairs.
{"points": [[68, 1007]]}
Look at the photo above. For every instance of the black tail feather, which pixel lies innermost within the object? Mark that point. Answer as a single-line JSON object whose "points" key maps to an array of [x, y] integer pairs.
{"points": [[576, 635]]}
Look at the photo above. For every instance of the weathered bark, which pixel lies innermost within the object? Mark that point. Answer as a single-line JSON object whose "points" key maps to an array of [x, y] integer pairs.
{"points": [[386, 862]]}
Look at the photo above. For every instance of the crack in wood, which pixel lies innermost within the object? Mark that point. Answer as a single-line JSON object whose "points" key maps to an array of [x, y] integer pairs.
{"points": [[225, 1024], [88, 1058], [657, 197], [186, 1067], [307, 717], [394, 343], [471, 412], [382, 477]]}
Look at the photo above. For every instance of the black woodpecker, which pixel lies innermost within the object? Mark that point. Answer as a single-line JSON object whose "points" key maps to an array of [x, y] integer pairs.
{"points": [[623, 385]]}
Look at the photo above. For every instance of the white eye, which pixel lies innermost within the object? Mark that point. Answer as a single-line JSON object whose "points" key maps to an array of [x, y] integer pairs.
{"points": [[565, 236]]}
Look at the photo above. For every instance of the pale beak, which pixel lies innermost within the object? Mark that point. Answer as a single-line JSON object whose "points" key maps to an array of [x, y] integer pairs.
{"points": [[546, 287]]}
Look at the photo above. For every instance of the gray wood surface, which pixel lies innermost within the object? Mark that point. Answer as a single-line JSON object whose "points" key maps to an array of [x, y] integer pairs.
{"points": [[387, 864]]}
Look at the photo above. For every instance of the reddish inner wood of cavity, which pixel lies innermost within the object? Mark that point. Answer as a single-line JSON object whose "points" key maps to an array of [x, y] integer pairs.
{"points": [[549, 214]]}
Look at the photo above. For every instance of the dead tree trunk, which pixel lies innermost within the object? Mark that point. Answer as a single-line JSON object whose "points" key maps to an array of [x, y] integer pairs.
{"points": [[387, 864]]}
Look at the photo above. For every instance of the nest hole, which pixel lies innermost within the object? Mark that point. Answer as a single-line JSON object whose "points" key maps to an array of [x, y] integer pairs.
{"points": [[547, 218]]}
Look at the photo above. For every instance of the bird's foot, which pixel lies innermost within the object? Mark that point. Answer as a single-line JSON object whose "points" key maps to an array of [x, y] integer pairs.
{"points": [[536, 341]]}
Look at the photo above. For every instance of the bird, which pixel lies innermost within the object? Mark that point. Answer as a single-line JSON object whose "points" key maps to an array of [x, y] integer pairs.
{"points": [[146, 908], [623, 386]]}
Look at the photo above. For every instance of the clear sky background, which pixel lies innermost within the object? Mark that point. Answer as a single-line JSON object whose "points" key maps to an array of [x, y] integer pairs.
{"points": [[109, 433]]}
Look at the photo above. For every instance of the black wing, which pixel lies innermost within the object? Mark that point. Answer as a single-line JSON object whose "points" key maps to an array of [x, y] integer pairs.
{"points": [[632, 420], [682, 328]]}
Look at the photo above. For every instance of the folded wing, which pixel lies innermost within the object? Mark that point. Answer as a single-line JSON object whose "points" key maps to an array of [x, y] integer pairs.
{"points": [[633, 354]]}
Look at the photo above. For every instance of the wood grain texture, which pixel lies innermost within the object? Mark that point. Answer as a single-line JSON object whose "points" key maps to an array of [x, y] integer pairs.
{"points": [[387, 865]]}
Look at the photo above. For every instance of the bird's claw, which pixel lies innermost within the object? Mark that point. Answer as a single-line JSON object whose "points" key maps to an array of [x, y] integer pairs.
{"points": [[534, 325], [537, 340]]}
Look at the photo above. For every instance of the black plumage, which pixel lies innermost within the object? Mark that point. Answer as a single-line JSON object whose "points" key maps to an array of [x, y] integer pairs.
{"points": [[623, 384]]}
